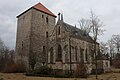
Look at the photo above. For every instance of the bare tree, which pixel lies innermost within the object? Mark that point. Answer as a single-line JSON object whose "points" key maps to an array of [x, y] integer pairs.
{"points": [[85, 25], [111, 48], [1, 45], [103, 48], [96, 31], [93, 26], [116, 40]]}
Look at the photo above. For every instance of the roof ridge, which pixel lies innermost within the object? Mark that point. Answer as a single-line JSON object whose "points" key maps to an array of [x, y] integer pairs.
{"points": [[41, 7]]}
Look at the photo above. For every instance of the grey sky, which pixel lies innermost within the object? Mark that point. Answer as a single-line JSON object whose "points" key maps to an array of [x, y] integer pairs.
{"points": [[107, 10]]}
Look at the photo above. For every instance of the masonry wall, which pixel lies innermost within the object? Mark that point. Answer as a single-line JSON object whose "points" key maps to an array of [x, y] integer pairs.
{"points": [[23, 36], [39, 39], [82, 46]]}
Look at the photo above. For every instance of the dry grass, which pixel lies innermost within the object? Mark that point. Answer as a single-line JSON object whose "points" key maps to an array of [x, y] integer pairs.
{"points": [[20, 76]]}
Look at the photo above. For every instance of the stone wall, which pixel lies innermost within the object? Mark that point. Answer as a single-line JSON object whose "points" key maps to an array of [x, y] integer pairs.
{"points": [[23, 36]]}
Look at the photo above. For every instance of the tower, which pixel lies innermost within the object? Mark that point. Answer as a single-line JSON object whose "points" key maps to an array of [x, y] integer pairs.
{"points": [[34, 27]]}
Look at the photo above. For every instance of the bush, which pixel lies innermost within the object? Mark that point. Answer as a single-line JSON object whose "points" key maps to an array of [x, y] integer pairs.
{"points": [[43, 70], [15, 68]]}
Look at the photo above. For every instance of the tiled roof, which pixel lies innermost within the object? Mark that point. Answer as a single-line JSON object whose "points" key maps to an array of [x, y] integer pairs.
{"points": [[42, 8], [77, 33]]}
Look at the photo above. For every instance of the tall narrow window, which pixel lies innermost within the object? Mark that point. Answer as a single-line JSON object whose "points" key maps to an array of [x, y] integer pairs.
{"points": [[46, 34], [46, 19], [59, 53], [86, 56], [59, 30], [76, 53], [51, 55], [81, 55], [22, 44], [44, 50]]}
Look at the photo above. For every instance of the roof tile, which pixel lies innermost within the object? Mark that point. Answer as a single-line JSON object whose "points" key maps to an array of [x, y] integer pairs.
{"points": [[42, 8]]}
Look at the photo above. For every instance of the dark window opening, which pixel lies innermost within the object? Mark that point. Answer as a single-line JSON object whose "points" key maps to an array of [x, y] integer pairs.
{"points": [[59, 30], [42, 16], [22, 44], [81, 55], [59, 53], [44, 50], [76, 53], [46, 19], [46, 34], [86, 56], [51, 55]]}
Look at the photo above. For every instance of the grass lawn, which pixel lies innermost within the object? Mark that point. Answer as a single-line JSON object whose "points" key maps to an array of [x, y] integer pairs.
{"points": [[21, 76]]}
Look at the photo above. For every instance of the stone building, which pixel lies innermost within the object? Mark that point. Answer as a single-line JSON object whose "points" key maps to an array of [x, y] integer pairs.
{"points": [[58, 45], [103, 63]]}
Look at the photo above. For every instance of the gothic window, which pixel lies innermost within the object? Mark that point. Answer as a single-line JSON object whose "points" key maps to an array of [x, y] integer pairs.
{"points": [[51, 55], [86, 56], [81, 54], [44, 50], [59, 56], [59, 30], [76, 53], [46, 19], [46, 34]]}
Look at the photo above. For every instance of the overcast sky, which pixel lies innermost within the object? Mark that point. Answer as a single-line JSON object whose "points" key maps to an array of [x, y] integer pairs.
{"points": [[73, 10]]}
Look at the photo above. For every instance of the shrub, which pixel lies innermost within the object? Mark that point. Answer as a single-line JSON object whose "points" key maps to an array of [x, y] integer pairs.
{"points": [[43, 70], [15, 68]]}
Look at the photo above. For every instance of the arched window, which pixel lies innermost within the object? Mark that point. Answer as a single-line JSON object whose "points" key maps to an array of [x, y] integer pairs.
{"points": [[51, 55], [59, 30], [76, 53], [59, 56], [86, 55], [81, 55]]}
